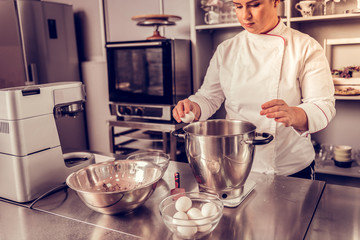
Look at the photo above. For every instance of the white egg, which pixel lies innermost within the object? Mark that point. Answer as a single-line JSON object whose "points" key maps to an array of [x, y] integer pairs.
{"points": [[179, 216], [204, 225], [194, 213], [208, 209], [188, 118], [188, 229], [183, 204]]}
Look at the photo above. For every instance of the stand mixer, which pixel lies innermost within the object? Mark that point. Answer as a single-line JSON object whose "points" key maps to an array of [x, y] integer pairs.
{"points": [[31, 158]]}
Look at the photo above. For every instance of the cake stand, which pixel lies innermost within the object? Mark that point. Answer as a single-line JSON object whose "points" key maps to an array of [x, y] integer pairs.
{"points": [[156, 20]]}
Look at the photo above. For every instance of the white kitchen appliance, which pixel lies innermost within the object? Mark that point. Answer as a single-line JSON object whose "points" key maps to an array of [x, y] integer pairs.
{"points": [[31, 158], [38, 45]]}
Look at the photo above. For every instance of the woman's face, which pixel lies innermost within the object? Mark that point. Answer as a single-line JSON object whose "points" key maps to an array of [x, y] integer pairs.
{"points": [[257, 16]]}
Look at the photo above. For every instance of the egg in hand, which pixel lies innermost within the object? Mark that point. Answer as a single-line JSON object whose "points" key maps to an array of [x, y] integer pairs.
{"points": [[188, 118]]}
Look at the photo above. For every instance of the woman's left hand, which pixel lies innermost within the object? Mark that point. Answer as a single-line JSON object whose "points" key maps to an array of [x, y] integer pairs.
{"points": [[282, 113]]}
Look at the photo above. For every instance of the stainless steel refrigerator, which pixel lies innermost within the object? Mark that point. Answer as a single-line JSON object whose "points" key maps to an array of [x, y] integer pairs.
{"points": [[38, 45]]}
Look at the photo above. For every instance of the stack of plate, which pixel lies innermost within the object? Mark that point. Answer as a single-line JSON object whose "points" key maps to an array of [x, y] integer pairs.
{"points": [[342, 156]]}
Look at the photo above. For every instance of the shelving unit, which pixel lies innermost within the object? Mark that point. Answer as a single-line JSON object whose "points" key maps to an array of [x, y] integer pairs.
{"points": [[127, 137], [329, 168], [206, 37], [347, 97], [334, 17], [217, 26]]}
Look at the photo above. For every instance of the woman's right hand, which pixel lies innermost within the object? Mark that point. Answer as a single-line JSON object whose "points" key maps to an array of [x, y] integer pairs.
{"points": [[185, 106]]}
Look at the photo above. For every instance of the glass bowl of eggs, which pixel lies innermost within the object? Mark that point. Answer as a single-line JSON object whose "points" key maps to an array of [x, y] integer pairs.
{"points": [[191, 215]]}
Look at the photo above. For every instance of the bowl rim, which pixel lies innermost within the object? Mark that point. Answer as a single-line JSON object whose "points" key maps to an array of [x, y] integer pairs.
{"points": [[216, 121], [114, 162], [213, 218], [144, 153]]}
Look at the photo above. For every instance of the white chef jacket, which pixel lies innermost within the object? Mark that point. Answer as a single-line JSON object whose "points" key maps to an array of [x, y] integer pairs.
{"points": [[251, 69]]}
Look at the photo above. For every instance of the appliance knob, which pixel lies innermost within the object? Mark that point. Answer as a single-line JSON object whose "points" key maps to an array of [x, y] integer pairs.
{"points": [[128, 110], [139, 111], [121, 110]]}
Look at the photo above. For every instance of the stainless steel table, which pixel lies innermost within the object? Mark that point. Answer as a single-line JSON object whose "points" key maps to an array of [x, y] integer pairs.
{"points": [[337, 215], [20, 223], [278, 208]]}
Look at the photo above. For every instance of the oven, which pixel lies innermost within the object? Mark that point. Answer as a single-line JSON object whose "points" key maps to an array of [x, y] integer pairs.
{"points": [[147, 78]]}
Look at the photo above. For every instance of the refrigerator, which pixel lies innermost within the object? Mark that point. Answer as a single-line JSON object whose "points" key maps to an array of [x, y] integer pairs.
{"points": [[37, 46]]}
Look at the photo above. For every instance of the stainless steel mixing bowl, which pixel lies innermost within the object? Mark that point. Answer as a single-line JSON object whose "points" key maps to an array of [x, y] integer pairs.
{"points": [[220, 153], [115, 186]]}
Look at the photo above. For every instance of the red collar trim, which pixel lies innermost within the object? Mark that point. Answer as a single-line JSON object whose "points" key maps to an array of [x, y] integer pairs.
{"points": [[267, 33], [273, 27]]}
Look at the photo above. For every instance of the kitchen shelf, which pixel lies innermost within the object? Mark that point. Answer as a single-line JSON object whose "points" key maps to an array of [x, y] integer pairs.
{"points": [[140, 139], [217, 26], [333, 17], [330, 168], [145, 135], [207, 36], [347, 97], [129, 136], [141, 145], [221, 26]]}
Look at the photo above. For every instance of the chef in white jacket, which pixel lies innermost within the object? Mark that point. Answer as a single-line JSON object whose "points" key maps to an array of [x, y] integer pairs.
{"points": [[274, 77]]}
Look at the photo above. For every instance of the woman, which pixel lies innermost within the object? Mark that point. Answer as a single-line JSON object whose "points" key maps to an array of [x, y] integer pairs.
{"points": [[274, 77]]}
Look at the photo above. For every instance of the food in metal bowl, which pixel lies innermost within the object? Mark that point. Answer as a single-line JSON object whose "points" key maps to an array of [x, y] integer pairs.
{"points": [[191, 215], [115, 186], [159, 158]]}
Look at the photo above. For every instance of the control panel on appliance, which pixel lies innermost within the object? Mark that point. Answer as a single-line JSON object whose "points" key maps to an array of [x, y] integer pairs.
{"points": [[139, 111], [158, 112]]}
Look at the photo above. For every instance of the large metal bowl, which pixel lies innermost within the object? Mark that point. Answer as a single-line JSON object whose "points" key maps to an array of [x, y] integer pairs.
{"points": [[115, 186], [220, 153]]}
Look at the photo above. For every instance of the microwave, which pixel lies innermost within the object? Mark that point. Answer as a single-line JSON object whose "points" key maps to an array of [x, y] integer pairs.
{"points": [[147, 78]]}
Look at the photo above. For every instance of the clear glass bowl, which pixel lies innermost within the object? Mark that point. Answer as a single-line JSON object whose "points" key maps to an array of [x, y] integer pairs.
{"points": [[159, 158], [191, 228]]}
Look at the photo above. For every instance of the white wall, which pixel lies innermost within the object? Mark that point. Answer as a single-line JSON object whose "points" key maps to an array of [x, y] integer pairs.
{"points": [[120, 27]]}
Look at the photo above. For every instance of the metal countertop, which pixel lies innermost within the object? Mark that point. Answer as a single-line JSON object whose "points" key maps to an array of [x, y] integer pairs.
{"points": [[278, 208], [337, 215]]}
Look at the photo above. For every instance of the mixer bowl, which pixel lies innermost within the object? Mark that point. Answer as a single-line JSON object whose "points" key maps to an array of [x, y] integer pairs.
{"points": [[115, 186], [220, 153]]}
